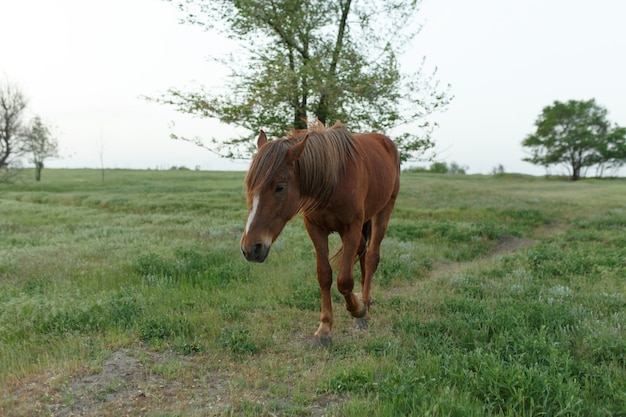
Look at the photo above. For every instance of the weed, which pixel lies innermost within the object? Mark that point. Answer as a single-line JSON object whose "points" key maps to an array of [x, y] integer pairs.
{"points": [[161, 328], [353, 380], [238, 341]]}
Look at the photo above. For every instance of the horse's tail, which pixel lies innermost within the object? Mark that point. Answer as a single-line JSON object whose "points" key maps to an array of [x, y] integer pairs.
{"points": [[366, 234]]}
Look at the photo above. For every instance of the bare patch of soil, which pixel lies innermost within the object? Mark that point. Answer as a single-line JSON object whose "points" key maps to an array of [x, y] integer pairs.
{"points": [[509, 244], [125, 386]]}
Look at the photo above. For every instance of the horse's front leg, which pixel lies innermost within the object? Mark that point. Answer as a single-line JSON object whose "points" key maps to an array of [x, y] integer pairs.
{"points": [[319, 238], [351, 241]]}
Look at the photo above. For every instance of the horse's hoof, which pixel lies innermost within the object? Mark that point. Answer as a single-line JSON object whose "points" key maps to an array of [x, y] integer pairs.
{"points": [[322, 341], [361, 323], [364, 308]]}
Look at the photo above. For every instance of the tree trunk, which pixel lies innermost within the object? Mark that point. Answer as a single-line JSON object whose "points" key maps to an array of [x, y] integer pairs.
{"points": [[299, 116], [6, 149], [322, 109], [298, 102], [38, 168], [576, 171]]}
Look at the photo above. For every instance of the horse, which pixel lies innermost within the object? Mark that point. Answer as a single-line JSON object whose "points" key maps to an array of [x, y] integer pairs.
{"points": [[340, 182]]}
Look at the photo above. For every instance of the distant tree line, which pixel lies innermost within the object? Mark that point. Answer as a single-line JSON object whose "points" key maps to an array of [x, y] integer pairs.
{"points": [[441, 168], [32, 140]]}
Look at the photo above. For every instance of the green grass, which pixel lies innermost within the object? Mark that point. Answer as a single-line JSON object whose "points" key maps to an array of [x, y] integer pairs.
{"points": [[149, 263]]}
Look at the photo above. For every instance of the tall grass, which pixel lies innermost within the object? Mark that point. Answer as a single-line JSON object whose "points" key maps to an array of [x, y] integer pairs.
{"points": [[149, 261]]}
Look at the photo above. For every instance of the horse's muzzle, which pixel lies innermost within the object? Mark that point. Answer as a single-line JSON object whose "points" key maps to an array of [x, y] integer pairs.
{"points": [[256, 252]]}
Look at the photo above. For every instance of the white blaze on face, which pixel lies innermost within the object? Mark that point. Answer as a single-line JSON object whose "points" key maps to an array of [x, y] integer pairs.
{"points": [[255, 205]]}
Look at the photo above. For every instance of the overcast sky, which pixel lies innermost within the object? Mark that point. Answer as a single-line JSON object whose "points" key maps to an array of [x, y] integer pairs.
{"points": [[84, 64]]}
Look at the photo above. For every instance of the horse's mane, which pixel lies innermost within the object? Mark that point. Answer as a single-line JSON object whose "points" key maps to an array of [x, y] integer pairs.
{"points": [[319, 167]]}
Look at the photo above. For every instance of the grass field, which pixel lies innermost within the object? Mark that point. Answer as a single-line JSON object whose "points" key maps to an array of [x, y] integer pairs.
{"points": [[496, 295]]}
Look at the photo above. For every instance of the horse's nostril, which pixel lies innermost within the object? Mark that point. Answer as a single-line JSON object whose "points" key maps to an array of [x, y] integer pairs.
{"points": [[258, 249], [256, 252]]}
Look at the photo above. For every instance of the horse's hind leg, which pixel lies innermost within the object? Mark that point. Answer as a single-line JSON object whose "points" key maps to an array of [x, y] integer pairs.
{"points": [[365, 237], [351, 240], [372, 256], [361, 323]]}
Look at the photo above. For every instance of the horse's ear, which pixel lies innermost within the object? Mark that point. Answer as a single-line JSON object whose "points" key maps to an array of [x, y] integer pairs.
{"points": [[296, 150], [262, 140]]}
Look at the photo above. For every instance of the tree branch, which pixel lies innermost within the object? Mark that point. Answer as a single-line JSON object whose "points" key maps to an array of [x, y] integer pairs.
{"points": [[322, 107]]}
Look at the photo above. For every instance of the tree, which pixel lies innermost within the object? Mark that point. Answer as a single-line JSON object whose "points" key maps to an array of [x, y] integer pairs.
{"points": [[498, 170], [578, 135], [443, 168], [439, 168], [313, 59], [38, 144], [12, 105], [457, 169]]}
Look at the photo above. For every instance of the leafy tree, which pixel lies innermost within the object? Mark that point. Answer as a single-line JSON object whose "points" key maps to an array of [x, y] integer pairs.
{"points": [[439, 168], [12, 105], [576, 134], [457, 169], [38, 145], [304, 59]]}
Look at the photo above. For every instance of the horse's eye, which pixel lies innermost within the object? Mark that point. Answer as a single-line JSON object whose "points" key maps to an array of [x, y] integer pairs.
{"points": [[279, 188]]}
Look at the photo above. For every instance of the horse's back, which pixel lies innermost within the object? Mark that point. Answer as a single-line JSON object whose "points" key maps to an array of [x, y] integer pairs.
{"points": [[381, 169], [380, 154], [378, 142]]}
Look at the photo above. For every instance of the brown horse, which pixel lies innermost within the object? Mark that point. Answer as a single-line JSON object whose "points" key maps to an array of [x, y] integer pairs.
{"points": [[341, 182]]}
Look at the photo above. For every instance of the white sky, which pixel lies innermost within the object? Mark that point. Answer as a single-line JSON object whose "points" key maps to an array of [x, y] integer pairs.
{"points": [[84, 64]]}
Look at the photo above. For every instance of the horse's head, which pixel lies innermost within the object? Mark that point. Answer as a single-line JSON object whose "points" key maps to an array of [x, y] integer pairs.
{"points": [[273, 195]]}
